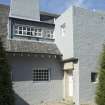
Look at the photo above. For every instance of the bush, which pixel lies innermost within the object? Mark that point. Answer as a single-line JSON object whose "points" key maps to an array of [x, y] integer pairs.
{"points": [[100, 92], [6, 91]]}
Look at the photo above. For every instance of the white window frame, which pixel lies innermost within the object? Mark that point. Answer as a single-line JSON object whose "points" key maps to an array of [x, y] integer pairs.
{"points": [[34, 33], [48, 34]]}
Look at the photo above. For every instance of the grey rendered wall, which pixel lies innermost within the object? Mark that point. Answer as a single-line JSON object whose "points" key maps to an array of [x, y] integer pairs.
{"points": [[65, 43], [33, 93], [89, 35], [25, 9]]}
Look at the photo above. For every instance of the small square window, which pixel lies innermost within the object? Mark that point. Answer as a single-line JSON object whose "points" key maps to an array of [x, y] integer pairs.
{"points": [[20, 28], [20, 32], [41, 74], [94, 77], [28, 33]]}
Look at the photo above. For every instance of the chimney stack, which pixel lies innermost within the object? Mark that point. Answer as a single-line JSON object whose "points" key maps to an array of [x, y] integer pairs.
{"points": [[25, 9]]}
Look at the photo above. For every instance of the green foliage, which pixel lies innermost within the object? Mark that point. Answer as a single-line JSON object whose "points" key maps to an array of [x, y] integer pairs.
{"points": [[6, 92], [100, 93]]}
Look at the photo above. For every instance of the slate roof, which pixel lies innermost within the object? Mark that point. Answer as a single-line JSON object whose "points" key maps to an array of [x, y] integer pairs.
{"points": [[32, 47], [49, 14], [20, 45]]}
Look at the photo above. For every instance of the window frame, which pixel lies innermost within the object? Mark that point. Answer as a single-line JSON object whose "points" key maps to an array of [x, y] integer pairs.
{"points": [[50, 33], [32, 33]]}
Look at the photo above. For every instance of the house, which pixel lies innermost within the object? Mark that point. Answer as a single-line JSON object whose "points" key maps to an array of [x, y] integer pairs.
{"points": [[37, 70], [35, 41], [80, 33]]}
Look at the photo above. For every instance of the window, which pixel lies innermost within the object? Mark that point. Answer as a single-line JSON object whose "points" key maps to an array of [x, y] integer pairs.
{"points": [[41, 74], [63, 27], [28, 31], [32, 31], [37, 32], [94, 77], [48, 34]]}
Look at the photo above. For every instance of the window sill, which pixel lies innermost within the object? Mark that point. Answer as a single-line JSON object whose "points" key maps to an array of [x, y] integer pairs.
{"points": [[40, 37]]}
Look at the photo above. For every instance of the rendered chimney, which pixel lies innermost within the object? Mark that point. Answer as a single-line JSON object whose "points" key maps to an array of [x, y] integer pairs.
{"points": [[25, 9]]}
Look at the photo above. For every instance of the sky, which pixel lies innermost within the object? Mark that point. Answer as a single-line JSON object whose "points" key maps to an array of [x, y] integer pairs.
{"points": [[59, 6]]}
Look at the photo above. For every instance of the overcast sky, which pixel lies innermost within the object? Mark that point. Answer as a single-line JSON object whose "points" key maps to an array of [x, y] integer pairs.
{"points": [[59, 6]]}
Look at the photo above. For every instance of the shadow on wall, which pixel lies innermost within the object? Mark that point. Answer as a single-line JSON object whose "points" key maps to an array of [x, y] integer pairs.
{"points": [[20, 101]]}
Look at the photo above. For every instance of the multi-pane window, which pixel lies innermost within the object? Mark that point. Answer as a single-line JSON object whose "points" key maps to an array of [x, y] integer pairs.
{"points": [[41, 74], [33, 31], [38, 32], [48, 34], [28, 31], [94, 77]]}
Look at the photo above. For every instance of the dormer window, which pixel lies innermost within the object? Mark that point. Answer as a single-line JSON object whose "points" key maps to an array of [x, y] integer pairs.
{"points": [[28, 32]]}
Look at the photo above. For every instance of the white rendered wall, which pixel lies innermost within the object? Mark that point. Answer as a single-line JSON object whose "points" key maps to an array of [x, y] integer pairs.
{"points": [[65, 42]]}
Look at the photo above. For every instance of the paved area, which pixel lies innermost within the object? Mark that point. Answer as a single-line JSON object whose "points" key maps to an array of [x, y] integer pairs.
{"points": [[67, 101], [63, 102], [56, 103]]}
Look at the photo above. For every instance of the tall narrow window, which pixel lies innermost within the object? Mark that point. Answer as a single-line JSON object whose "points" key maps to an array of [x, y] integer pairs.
{"points": [[41, 74], [63, 28], [94, 77]]}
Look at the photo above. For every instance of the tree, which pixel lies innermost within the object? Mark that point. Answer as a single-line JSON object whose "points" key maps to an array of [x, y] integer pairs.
{"points": [[100, 92], [6, 91]]}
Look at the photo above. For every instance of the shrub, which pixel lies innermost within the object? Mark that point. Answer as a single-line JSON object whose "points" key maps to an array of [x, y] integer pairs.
{"points": [[100, 92], [6, 91]]}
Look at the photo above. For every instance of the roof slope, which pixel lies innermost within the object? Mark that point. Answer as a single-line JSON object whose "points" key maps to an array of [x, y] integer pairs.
{"points": [[32, 47]]}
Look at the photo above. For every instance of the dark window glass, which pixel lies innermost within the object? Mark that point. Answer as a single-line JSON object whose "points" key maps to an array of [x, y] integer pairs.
{"points": [[28, 33], [93, 77], [28, 29], [20, 32], [20, 28], [24, 28]]}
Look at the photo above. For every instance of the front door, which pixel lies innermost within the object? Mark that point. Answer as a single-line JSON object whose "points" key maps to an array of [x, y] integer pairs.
{"points": [[70, 84]]}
